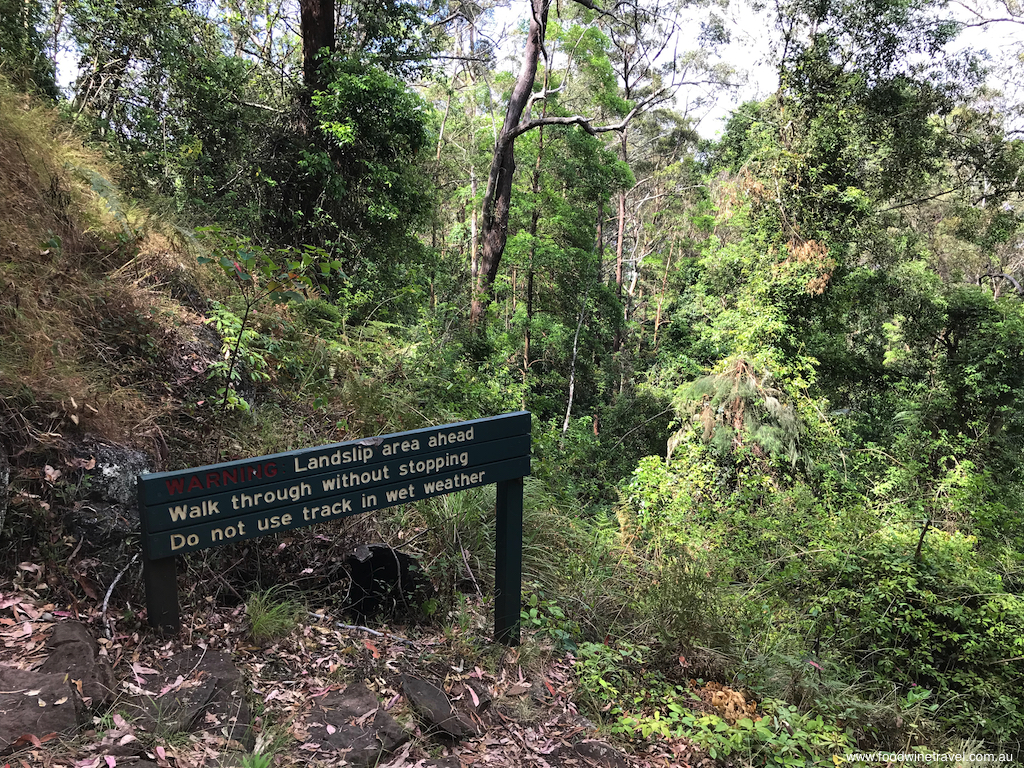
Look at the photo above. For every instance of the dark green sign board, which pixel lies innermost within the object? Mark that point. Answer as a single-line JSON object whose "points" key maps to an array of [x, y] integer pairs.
{"points": [[195, 509]]}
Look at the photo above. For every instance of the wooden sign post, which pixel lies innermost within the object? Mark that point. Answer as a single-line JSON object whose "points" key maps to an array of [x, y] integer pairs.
{"points": [[196, 509]]}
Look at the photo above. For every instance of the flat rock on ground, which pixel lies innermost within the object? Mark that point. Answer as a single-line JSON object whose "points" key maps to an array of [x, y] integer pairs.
{"points": [[434, 707], [352, 723], [36, 704], [115, 476], [196, 690], [589, 753], [74, 652], [5, 480]]}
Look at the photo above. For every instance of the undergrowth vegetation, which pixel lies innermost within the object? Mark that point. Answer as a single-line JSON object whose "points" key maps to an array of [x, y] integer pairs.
{"points": [[272, 613], [776, 495]]}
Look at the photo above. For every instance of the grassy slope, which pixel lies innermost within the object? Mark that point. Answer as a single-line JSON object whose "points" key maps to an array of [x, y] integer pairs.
{"points": [[103, 339], [102, 336]]}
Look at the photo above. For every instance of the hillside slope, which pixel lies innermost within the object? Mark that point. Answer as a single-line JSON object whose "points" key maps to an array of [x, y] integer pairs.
{"points": [[108, 361]]}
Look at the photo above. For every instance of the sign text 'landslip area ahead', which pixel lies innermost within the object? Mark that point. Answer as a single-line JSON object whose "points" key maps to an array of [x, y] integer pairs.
{"points": [[222, 504]]}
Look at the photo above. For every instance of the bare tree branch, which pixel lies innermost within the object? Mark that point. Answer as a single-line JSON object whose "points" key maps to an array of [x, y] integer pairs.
{"points": [[579, 120], [659, 96], [590, 5]]}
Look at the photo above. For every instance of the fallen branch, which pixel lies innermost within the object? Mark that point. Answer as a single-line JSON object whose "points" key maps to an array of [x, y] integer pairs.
{"points": [[361, 628], [374, 632], [110, 591]]}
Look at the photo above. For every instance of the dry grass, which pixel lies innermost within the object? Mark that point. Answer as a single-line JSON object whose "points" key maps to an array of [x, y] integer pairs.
{"points": [[70, 249]]}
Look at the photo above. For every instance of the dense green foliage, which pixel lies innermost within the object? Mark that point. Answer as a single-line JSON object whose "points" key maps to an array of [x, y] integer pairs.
{"points": [[22, 55], [776, 378]]}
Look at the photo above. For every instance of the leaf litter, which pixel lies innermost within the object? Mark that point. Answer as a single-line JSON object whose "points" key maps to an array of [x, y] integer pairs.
{"points": [[320, 656]]}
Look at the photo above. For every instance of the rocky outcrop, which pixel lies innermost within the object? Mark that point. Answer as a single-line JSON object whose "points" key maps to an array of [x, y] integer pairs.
{"points": [[107, 517], [34, 705], [194, 691], [73, 652], [354, 724], [5, 482], [115, 476], [436, 710], [385, 581]]}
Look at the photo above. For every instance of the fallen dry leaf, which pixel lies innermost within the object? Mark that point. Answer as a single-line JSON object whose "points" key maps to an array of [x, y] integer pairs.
{"points": [[139, 669], [87, 586], [171, 686], [365, 717], [372, 648]]}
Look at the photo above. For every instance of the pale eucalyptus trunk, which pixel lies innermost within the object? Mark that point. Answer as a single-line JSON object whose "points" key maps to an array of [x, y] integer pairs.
{"points": [[498, 197]]}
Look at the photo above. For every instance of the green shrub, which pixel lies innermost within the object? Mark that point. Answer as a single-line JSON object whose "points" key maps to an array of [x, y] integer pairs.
{"points": [[547, 618], [940, 623], [257, 760], [272, 614]]}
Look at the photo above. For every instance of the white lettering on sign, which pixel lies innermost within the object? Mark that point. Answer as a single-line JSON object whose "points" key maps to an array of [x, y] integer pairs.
{"points": [[289, 493], [262, 524], [415, 467], [355, 479], [277, 521], [400, 446], [178, 541], [450, 438], [327, 510], [452, 483], [360, 454], [184, 511], [228, 532]]}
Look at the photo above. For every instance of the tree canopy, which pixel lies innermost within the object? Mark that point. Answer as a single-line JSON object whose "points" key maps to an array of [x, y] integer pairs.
{"points": [[776, 376]]}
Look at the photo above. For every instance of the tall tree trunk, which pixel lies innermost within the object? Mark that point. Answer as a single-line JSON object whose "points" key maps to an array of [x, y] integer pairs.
{"points": [[620, 242], [58, 24], [498, 197], [661, 298], [444, 121], [316, 23], [534, 218], [529, 319], [474, 237], [572, 373]]}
